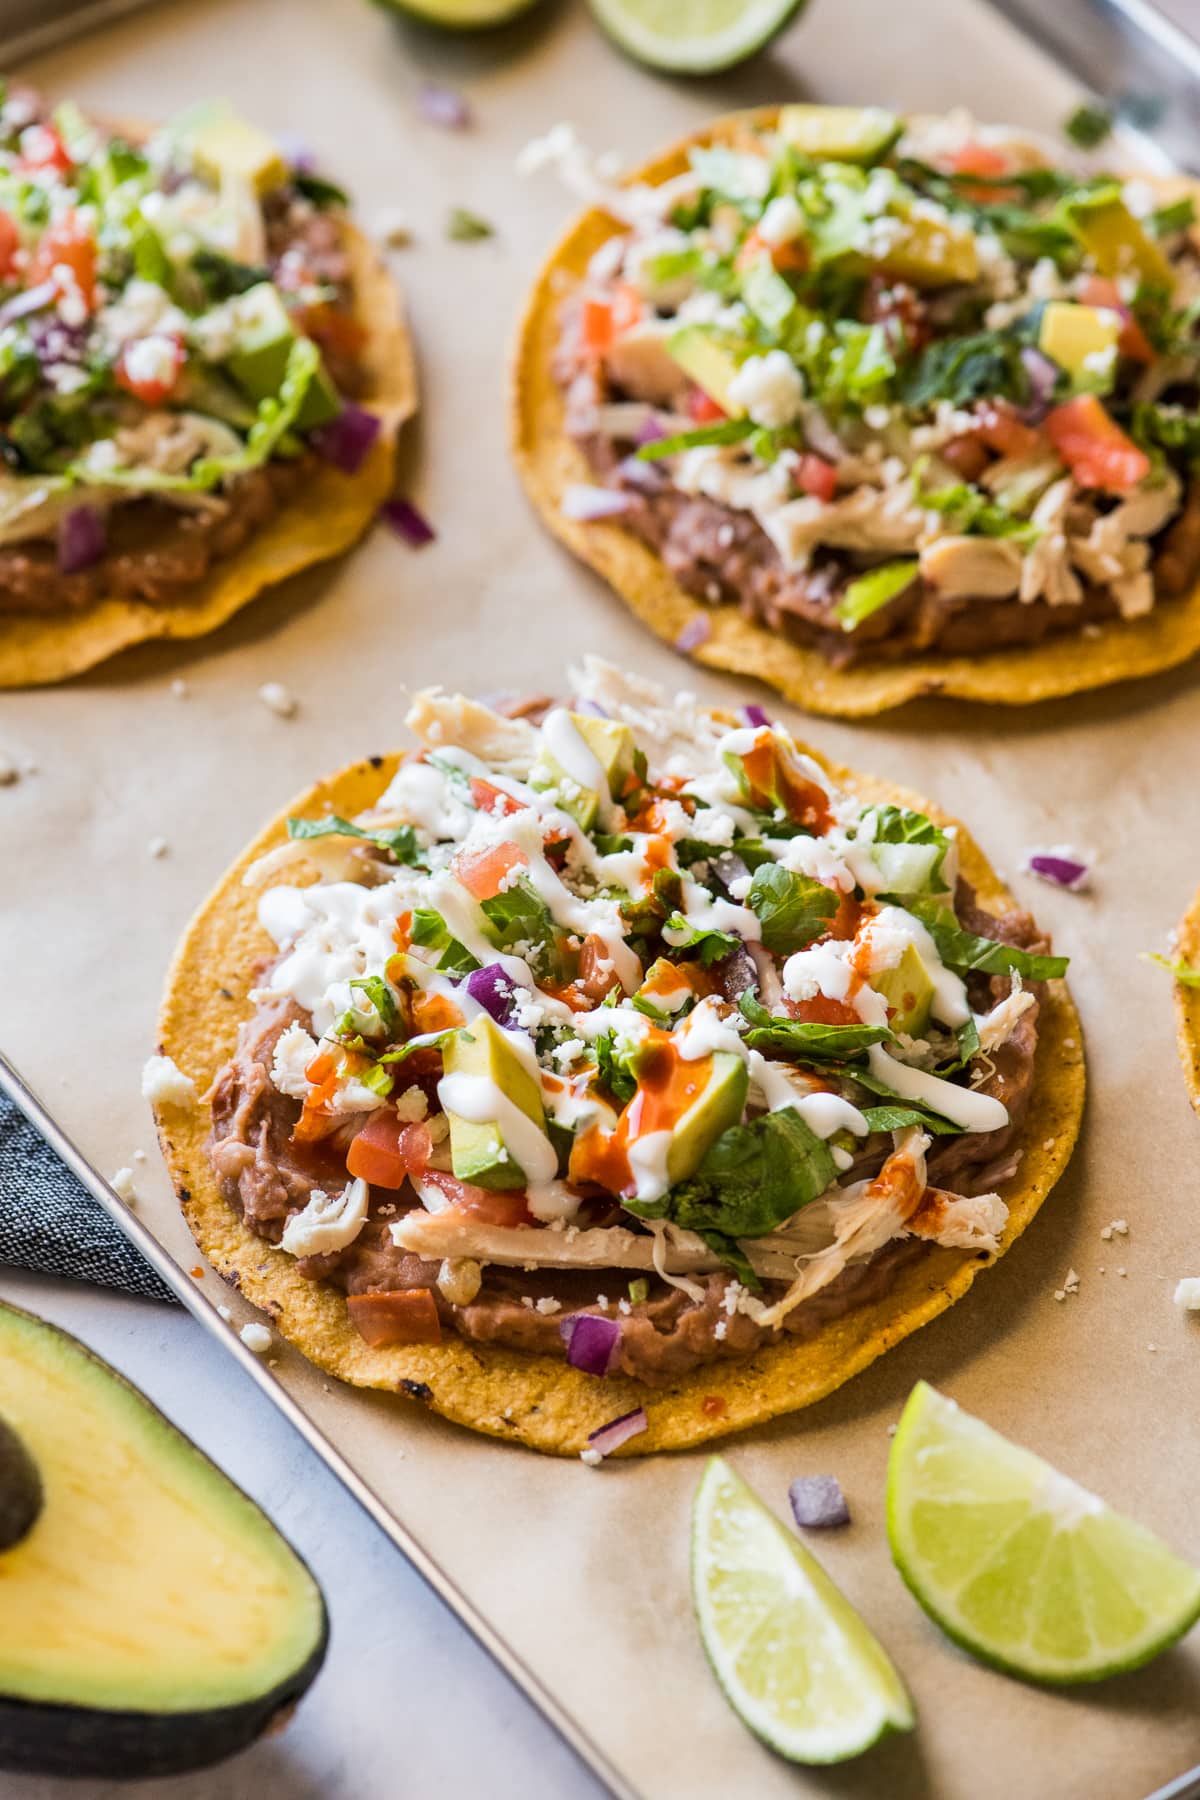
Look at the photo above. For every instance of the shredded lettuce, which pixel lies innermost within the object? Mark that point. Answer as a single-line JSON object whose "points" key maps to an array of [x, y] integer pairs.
{"points": [[970, 510], [808, 1042], [963, 951], [1184, 972], [751, 1181], [401, 840], [792, 909], [710, 946]]}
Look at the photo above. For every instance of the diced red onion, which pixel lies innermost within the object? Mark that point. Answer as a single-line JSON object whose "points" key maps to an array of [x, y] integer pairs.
{"points": [[593, 708], [652, 429], [407, 521], [495, 991], [1043, 377], [729, 867], [770, 987], [592, 1343], [1060, 867], [736, 974], [820, 436], [818, 1502], [647, 477], [346, 440], [31, 301], [81, 539], [754, 715], [697, 631], [610, 1437], [442, 106], [580, 501]]}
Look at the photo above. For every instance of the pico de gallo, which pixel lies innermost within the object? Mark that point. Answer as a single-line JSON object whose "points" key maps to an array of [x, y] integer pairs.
{"points": [[177, 336], [895, 387], [617, 1030]]}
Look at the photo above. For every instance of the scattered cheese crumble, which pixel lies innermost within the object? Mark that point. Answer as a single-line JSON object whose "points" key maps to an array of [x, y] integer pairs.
{"points": [[1187, 1293], [278, 699], [165, 1084], [122, 1184], [258, 1338]]}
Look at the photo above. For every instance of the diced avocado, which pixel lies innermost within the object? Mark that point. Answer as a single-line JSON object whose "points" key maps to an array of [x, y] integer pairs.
{"points": [[259, 358], [478, 1152], [612, 744], [873, 590], [719, 1106], [909, 991], [154, 1619], [709, 362], [928, 252], [1082, 340], [1114, 239], [666, 987], [858, 134], [225, 148]]}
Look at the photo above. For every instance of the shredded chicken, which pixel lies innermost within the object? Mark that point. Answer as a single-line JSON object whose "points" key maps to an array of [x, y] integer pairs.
{"points": [[997, 1026], [509, 745], [978, 567], [638, 362], [677, 735], [881, 519]]}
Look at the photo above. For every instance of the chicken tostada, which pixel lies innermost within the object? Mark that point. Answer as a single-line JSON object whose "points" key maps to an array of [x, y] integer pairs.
{"points": [[202, 370], [872, 409], [632, 1058]]}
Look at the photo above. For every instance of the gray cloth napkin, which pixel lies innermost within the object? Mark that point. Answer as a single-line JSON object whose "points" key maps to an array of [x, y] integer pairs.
{"points": [[50, 1223]]}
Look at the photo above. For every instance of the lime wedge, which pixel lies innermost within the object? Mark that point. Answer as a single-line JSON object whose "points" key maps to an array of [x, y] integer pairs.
{"points": [[693, 37], [796, 1662], [1019, 1564]]}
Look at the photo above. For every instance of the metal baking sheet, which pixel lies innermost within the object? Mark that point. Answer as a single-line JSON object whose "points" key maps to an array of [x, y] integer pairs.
{"points": [[576, 1578]]}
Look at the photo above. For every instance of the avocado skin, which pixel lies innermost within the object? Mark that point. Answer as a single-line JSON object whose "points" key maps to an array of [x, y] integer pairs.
{"points": [[36, 1739], [42, 1738]]}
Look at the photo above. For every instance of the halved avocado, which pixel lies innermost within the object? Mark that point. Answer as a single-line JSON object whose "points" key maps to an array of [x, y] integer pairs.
{"points": [[154, 1620]]}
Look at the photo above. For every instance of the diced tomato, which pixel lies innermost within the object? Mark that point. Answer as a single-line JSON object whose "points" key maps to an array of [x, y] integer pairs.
{"points": [[702, 408], [42, 148], [979, 159], [821, 1010], [149, 367], [331, 328], [1093, 446], [384, 1152], [1102, 290], [10, 243], [401, 1316], [506, 1206], [1002, 431], [66, 255], [900, 310], [817, 477], [483, 872], [603, 320], [493, 799], [597, 977]]}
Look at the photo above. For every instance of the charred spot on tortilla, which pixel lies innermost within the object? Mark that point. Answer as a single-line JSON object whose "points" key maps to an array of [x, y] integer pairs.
{"points": [[871, 431], [208, 370], [664, 1054]]}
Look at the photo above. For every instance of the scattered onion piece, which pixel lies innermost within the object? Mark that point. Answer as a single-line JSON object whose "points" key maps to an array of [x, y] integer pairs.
{"points": [[1061, 866], [818, 1502], [697, 631], [496, 992], [754, 715], [1043, 378], [81, 539], [346, 440], [443, 106], [610, 1437], [581, 501], [407, 521], [592, 1343], [32, 300]]}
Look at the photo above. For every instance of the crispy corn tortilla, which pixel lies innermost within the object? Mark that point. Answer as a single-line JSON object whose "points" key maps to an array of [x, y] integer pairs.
{"points": [[548, 462], [1187, 1002], [323, 517], [538, 1400]]}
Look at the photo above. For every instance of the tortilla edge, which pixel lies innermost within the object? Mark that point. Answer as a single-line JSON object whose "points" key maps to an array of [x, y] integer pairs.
{"points": [[536, 1400]]}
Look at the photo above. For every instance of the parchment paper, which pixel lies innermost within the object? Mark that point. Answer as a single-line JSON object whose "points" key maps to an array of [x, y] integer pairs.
{"points": [[583, 1572]]}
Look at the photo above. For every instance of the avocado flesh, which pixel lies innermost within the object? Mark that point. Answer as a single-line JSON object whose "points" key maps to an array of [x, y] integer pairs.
{"points": [[930, 254], [1115, 240], [226, 148], [478, 1153], [708, 362], [154, 1619], [258, 362], [909, 991], [20, 1488], [859, 134], [1070, 333], [612, 744], [579, 803], [721, 1105]]}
